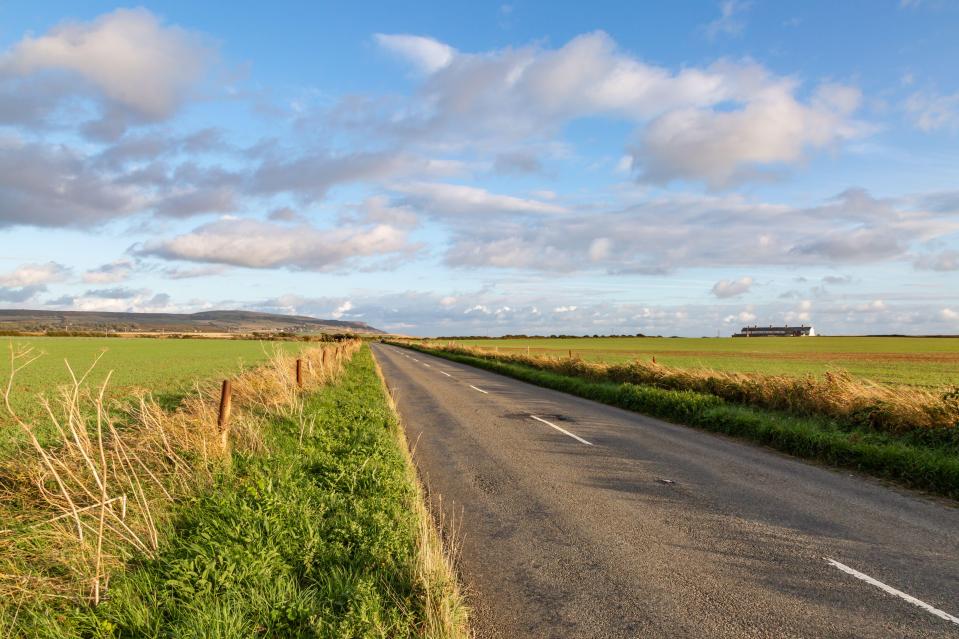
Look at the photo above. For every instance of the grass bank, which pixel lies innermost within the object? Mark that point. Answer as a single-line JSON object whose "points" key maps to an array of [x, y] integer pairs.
{"points": [[914, 459], [313, 527], [858, 403], [929, 362]]}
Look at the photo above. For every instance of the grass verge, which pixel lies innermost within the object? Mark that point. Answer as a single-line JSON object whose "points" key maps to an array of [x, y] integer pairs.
{"points": [[318, 531], [907, 459]]}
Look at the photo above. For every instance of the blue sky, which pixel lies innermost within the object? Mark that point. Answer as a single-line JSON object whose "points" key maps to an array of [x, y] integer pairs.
{"points": [[471, 168]]}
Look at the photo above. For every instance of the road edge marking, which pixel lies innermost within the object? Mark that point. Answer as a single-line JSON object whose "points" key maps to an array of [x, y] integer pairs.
{"points": [[562, 430], [479, 389], [892, 591]]}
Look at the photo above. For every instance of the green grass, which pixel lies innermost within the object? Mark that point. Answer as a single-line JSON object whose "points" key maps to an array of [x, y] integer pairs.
{"points": [[892, 360], [167, 367], [918, 460], [312, 539]]}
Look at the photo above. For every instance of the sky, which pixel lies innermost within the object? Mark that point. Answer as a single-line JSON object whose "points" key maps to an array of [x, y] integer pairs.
{"points": [[470, 168]]}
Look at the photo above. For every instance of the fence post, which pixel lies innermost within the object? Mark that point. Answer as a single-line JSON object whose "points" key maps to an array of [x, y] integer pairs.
{"points": [[299, 373], [571, 353], [223, 419]]}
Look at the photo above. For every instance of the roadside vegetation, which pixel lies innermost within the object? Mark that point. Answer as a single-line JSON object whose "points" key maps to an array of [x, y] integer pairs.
{"points": [[906, 434], [300, 516]]}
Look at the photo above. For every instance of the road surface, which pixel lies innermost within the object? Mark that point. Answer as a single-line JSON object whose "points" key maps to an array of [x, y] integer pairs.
{"points": [[576, 519]]}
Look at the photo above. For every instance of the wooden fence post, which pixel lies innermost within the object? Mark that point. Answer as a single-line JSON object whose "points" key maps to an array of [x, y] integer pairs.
{"points": [[223, 419], [299, 373]]}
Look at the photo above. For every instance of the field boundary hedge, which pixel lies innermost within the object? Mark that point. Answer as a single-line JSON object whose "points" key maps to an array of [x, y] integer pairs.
{"points": [[934, 467]]}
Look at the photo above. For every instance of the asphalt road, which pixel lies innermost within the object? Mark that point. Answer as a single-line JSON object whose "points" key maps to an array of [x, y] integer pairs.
{"points": [[598, 522]]}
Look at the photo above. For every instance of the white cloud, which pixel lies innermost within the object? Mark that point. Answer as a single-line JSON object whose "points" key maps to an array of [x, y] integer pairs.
{"points": [[949, 315], [772, 129], [717, 123], [256, 244], [35, 274], [460, 200], [427, 54], [743, 317], [731, 288], [129, 55], [342, 309]]}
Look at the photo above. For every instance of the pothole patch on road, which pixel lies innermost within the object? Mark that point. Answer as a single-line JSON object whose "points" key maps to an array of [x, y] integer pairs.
{"points": [[553, 417]]}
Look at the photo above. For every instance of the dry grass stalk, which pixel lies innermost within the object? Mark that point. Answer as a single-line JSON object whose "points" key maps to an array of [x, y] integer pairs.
{"points": [[113, 479]]}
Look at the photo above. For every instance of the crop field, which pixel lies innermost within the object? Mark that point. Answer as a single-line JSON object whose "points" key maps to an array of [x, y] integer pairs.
{"points": [[166, 367], [927, 362]]}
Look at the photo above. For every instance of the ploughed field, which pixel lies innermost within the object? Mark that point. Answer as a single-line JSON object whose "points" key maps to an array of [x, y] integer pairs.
{"points": [[165, 367], [927, 362]]}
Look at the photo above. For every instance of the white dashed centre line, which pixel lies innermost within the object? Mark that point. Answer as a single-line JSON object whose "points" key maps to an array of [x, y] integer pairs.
{"points": [[479, 389], [892, 591], [427, 365], [562, 430], [445, 373]]}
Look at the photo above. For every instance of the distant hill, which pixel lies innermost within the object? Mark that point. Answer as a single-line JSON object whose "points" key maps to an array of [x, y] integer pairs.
{"points": [[205, 322]]}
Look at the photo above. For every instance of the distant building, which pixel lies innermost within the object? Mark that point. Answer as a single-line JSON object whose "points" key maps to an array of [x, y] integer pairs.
{"points": [[776, 331]]}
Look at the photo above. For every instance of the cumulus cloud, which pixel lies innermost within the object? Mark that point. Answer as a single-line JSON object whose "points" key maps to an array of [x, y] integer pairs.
{"points": [[47, 185], [28, 280], [427, 54], [342, 310], [718, 124], [772, 129], [731, 288], [137, 64], [35, 274], [743, 317], [255, 244]]}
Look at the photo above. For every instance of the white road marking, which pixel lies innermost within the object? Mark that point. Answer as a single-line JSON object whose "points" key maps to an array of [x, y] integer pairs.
{"points": [[415, 360], [427, 365], [562, 430], [445, 373], [479, 389], [892, 591]]}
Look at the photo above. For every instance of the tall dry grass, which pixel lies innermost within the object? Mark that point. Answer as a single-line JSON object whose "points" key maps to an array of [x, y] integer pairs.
{"points": [[837, 394], [100, 494]]}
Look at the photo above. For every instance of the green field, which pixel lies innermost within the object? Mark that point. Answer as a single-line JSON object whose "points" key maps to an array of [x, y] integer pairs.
{"points": [[167, 367], [893, 360]]}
